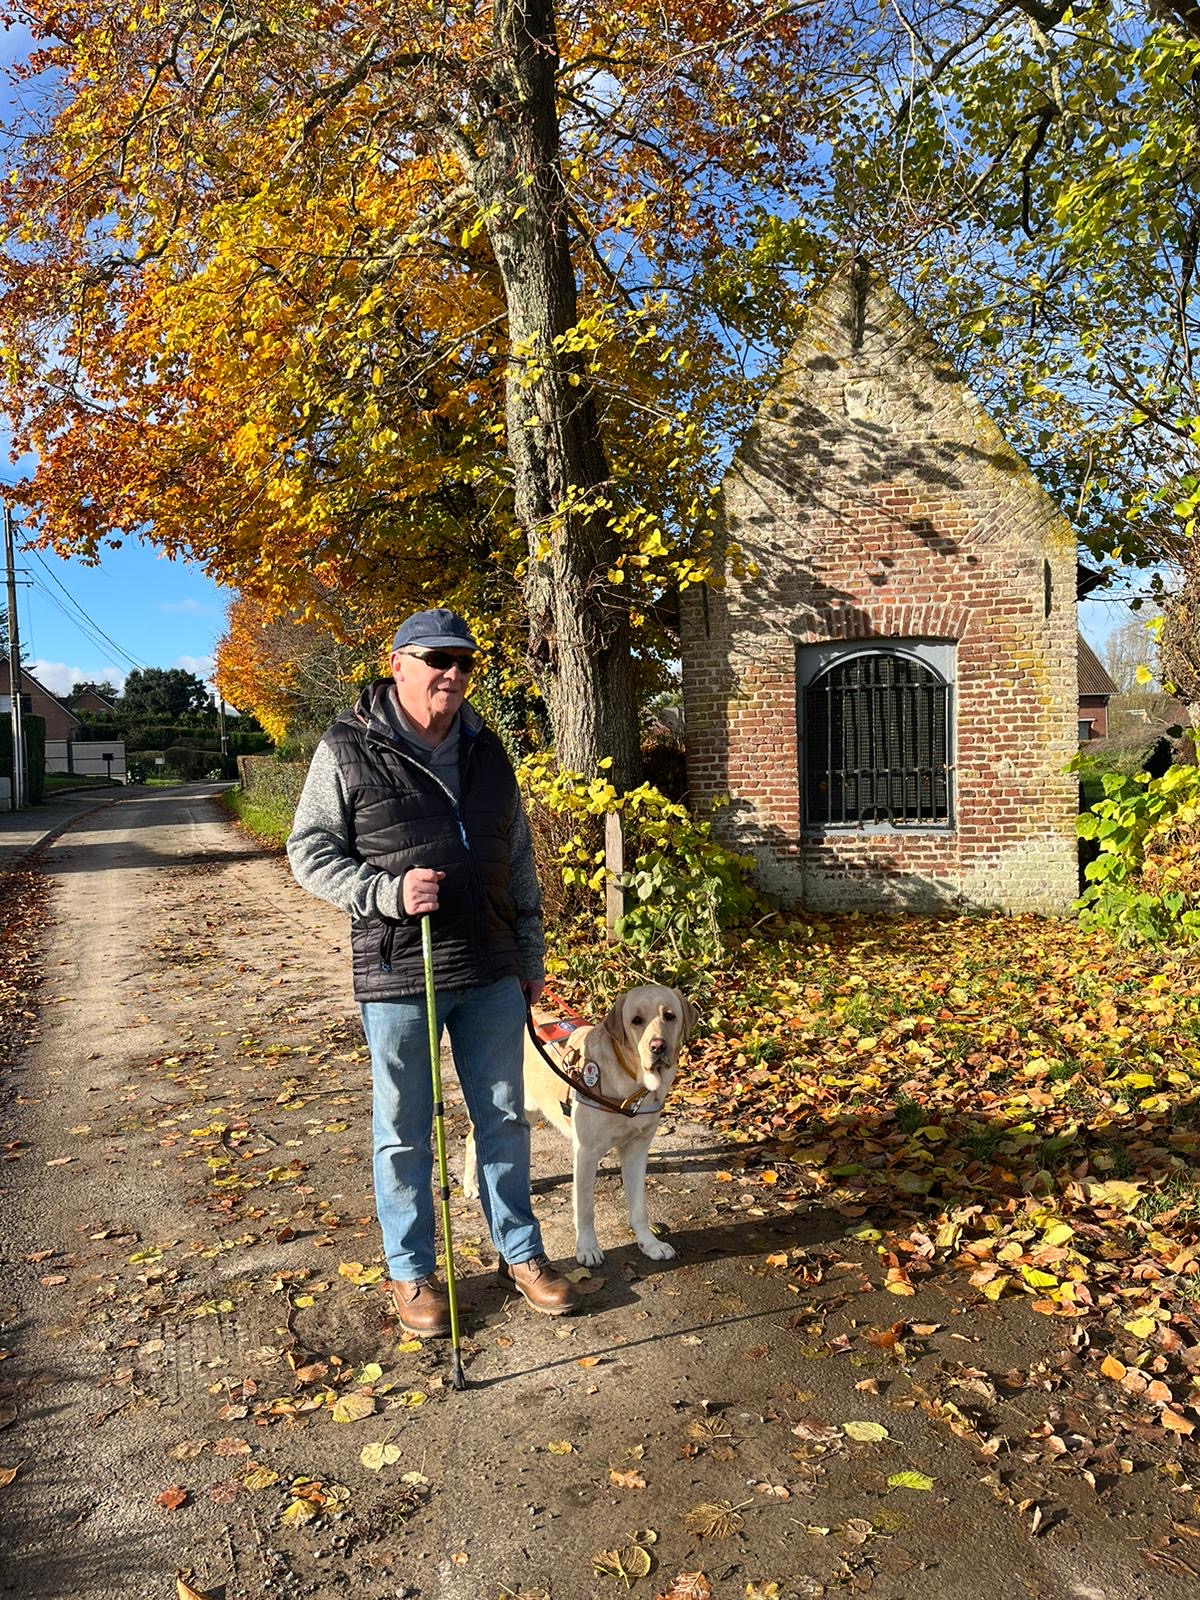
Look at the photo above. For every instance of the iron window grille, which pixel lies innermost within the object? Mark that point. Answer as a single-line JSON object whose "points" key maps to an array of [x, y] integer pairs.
{"points": [[877, 743]]}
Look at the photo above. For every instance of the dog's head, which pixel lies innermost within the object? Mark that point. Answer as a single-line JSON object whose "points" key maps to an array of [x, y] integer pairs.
{"points": [[648, 1025]]}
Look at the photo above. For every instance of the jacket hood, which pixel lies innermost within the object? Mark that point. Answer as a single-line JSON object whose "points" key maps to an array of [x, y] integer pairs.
{"points": [[369, 711]]}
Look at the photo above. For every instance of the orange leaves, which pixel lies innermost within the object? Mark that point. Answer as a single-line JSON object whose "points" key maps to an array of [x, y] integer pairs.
{"points": [[994, 1094], [287, 672]]}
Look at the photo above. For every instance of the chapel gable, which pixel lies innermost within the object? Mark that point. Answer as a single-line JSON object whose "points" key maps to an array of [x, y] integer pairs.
{"points": [[881, 696]]}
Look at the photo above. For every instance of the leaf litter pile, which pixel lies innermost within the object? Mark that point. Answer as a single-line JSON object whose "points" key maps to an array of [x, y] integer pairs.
{"points": [[1007, 1100], [23, 900]]}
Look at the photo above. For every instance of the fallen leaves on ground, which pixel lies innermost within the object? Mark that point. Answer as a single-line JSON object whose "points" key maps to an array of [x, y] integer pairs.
{"points": [[1010, 1099], [626, 1564], [688, 1586], [718, 1519]]}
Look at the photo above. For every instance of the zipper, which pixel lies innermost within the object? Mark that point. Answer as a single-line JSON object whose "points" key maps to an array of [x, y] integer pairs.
{"points": [[387, 942], [390, 744], [476, 895]]}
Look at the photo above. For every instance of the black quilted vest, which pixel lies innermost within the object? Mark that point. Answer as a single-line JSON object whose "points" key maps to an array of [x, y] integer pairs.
{"points": [[401, 816]]}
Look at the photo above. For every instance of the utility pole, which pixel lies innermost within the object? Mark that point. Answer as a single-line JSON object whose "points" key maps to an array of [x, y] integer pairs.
{"points": [[14, 667], [221, 722]]}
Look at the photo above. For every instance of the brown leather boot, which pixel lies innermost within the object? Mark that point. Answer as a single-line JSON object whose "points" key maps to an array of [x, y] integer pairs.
{"points": [[545, 1289], [421, 1305]]}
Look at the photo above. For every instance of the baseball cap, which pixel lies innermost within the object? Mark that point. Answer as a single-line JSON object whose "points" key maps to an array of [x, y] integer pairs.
{"points": [[434, 630]]}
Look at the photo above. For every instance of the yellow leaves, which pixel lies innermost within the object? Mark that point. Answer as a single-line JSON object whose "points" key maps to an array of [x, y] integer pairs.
{"points": [[1037, 1279], [1059, 1233], [992, 1287], [865, 1432], [560, 1447], [353, 1407], [625, 1565], [718, 1519], [1116, 1192], [358, 1274], [256, 1478]]}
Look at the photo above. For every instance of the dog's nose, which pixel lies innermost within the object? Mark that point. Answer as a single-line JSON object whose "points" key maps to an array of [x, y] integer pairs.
{"points": [[658, 1047]]}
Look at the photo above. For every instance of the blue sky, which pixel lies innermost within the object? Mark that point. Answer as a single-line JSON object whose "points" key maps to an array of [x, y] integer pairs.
{"points": [[155, 613]]}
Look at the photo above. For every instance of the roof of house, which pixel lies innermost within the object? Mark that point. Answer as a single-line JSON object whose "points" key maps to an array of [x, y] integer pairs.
{"points": [[1092, 677], [27, 679]]}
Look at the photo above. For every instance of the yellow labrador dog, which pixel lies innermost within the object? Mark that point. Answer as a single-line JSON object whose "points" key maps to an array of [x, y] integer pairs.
{"points": [[634, 1050]]}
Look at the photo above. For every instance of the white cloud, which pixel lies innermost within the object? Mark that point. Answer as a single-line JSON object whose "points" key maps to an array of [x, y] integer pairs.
{"points": [[60, 678], [200, 666], [194, 607]]}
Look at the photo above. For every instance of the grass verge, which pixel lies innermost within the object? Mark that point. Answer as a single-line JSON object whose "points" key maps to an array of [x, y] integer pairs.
{"points": [[68, 782], [269, 821]]}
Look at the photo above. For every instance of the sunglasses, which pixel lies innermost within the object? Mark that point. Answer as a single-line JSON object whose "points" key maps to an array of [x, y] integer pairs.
{"points": [[443, 660]]}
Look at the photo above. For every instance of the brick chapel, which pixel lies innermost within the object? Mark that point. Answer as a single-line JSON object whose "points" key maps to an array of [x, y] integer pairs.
{"points": [[881, 698]]}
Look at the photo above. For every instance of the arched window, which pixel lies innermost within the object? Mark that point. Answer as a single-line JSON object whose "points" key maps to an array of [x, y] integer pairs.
{"points": [[877, 743]]}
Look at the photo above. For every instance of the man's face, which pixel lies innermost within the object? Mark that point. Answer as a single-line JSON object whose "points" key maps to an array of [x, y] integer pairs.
{"points": [[431, 690]]}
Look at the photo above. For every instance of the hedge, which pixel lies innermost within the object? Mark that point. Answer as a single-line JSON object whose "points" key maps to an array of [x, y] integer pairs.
{"points": [[35, 755], [268, 779]]}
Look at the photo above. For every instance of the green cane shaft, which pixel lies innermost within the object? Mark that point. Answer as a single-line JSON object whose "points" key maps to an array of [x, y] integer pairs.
{"points": [[439, 1130]]}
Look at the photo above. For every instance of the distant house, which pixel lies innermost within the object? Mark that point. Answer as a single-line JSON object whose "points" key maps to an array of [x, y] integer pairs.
{"points": [[1096, 689], [91, 704], [39, 702]]}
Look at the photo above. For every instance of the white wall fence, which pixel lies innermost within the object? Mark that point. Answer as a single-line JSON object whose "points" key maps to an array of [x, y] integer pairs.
{"points": [[92, 758]]}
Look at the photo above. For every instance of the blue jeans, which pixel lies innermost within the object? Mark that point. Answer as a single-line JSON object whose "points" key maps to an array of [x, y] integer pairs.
{"points": [[486, 1028]]}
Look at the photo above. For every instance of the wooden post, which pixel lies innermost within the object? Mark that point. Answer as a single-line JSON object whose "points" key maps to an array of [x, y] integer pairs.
{"points": [[614, 866]]}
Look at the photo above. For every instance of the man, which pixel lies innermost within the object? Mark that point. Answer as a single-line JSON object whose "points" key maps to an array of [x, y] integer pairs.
{"points": [[411, 807]]}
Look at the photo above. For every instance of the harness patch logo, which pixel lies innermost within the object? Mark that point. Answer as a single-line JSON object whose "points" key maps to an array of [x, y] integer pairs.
{"points": [[591, 1074]]}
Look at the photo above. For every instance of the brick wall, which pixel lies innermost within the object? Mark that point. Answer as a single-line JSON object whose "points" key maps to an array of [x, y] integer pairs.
{"points": [[875, 499]]}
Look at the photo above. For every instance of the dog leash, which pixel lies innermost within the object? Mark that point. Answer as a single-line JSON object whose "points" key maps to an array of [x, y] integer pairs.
{"points": [[558, 1032]]}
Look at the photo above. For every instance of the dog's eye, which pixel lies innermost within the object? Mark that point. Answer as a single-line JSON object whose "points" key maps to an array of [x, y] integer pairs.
{"points": [[668, 1016], [637, 1022]]}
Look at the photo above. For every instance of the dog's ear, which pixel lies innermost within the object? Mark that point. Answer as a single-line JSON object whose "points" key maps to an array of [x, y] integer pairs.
{"points": [[689, 1014], [614, 1022]]}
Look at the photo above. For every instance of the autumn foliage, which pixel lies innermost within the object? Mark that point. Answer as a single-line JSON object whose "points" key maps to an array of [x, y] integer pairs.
{"points": [[1011, 1101], [396, 300], [294, 676]]}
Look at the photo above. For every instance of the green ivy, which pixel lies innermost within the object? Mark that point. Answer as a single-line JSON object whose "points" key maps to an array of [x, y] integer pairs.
{"points": [[683, 889], [1119, 897]]}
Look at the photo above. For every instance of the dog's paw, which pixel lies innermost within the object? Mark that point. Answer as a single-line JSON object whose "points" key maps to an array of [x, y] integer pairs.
{"points": [[656, 1249], [588, 1253], [470, 1186]]}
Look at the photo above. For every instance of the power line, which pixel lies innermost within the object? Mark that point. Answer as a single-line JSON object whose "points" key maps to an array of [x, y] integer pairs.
{"points": [[92, 637], [87, 618]]}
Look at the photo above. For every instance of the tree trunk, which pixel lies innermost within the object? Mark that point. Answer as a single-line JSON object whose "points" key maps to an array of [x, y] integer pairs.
{"points": [[579, 629]]}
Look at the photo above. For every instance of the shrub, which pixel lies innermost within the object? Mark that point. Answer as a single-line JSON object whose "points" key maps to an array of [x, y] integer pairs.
{"points": [[1144, 885], [683, 888], [272, 781], [188, 762]]}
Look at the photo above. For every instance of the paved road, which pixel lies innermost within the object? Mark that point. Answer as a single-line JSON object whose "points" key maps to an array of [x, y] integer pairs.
{"points": [[22, 831], [185, 1289]]}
